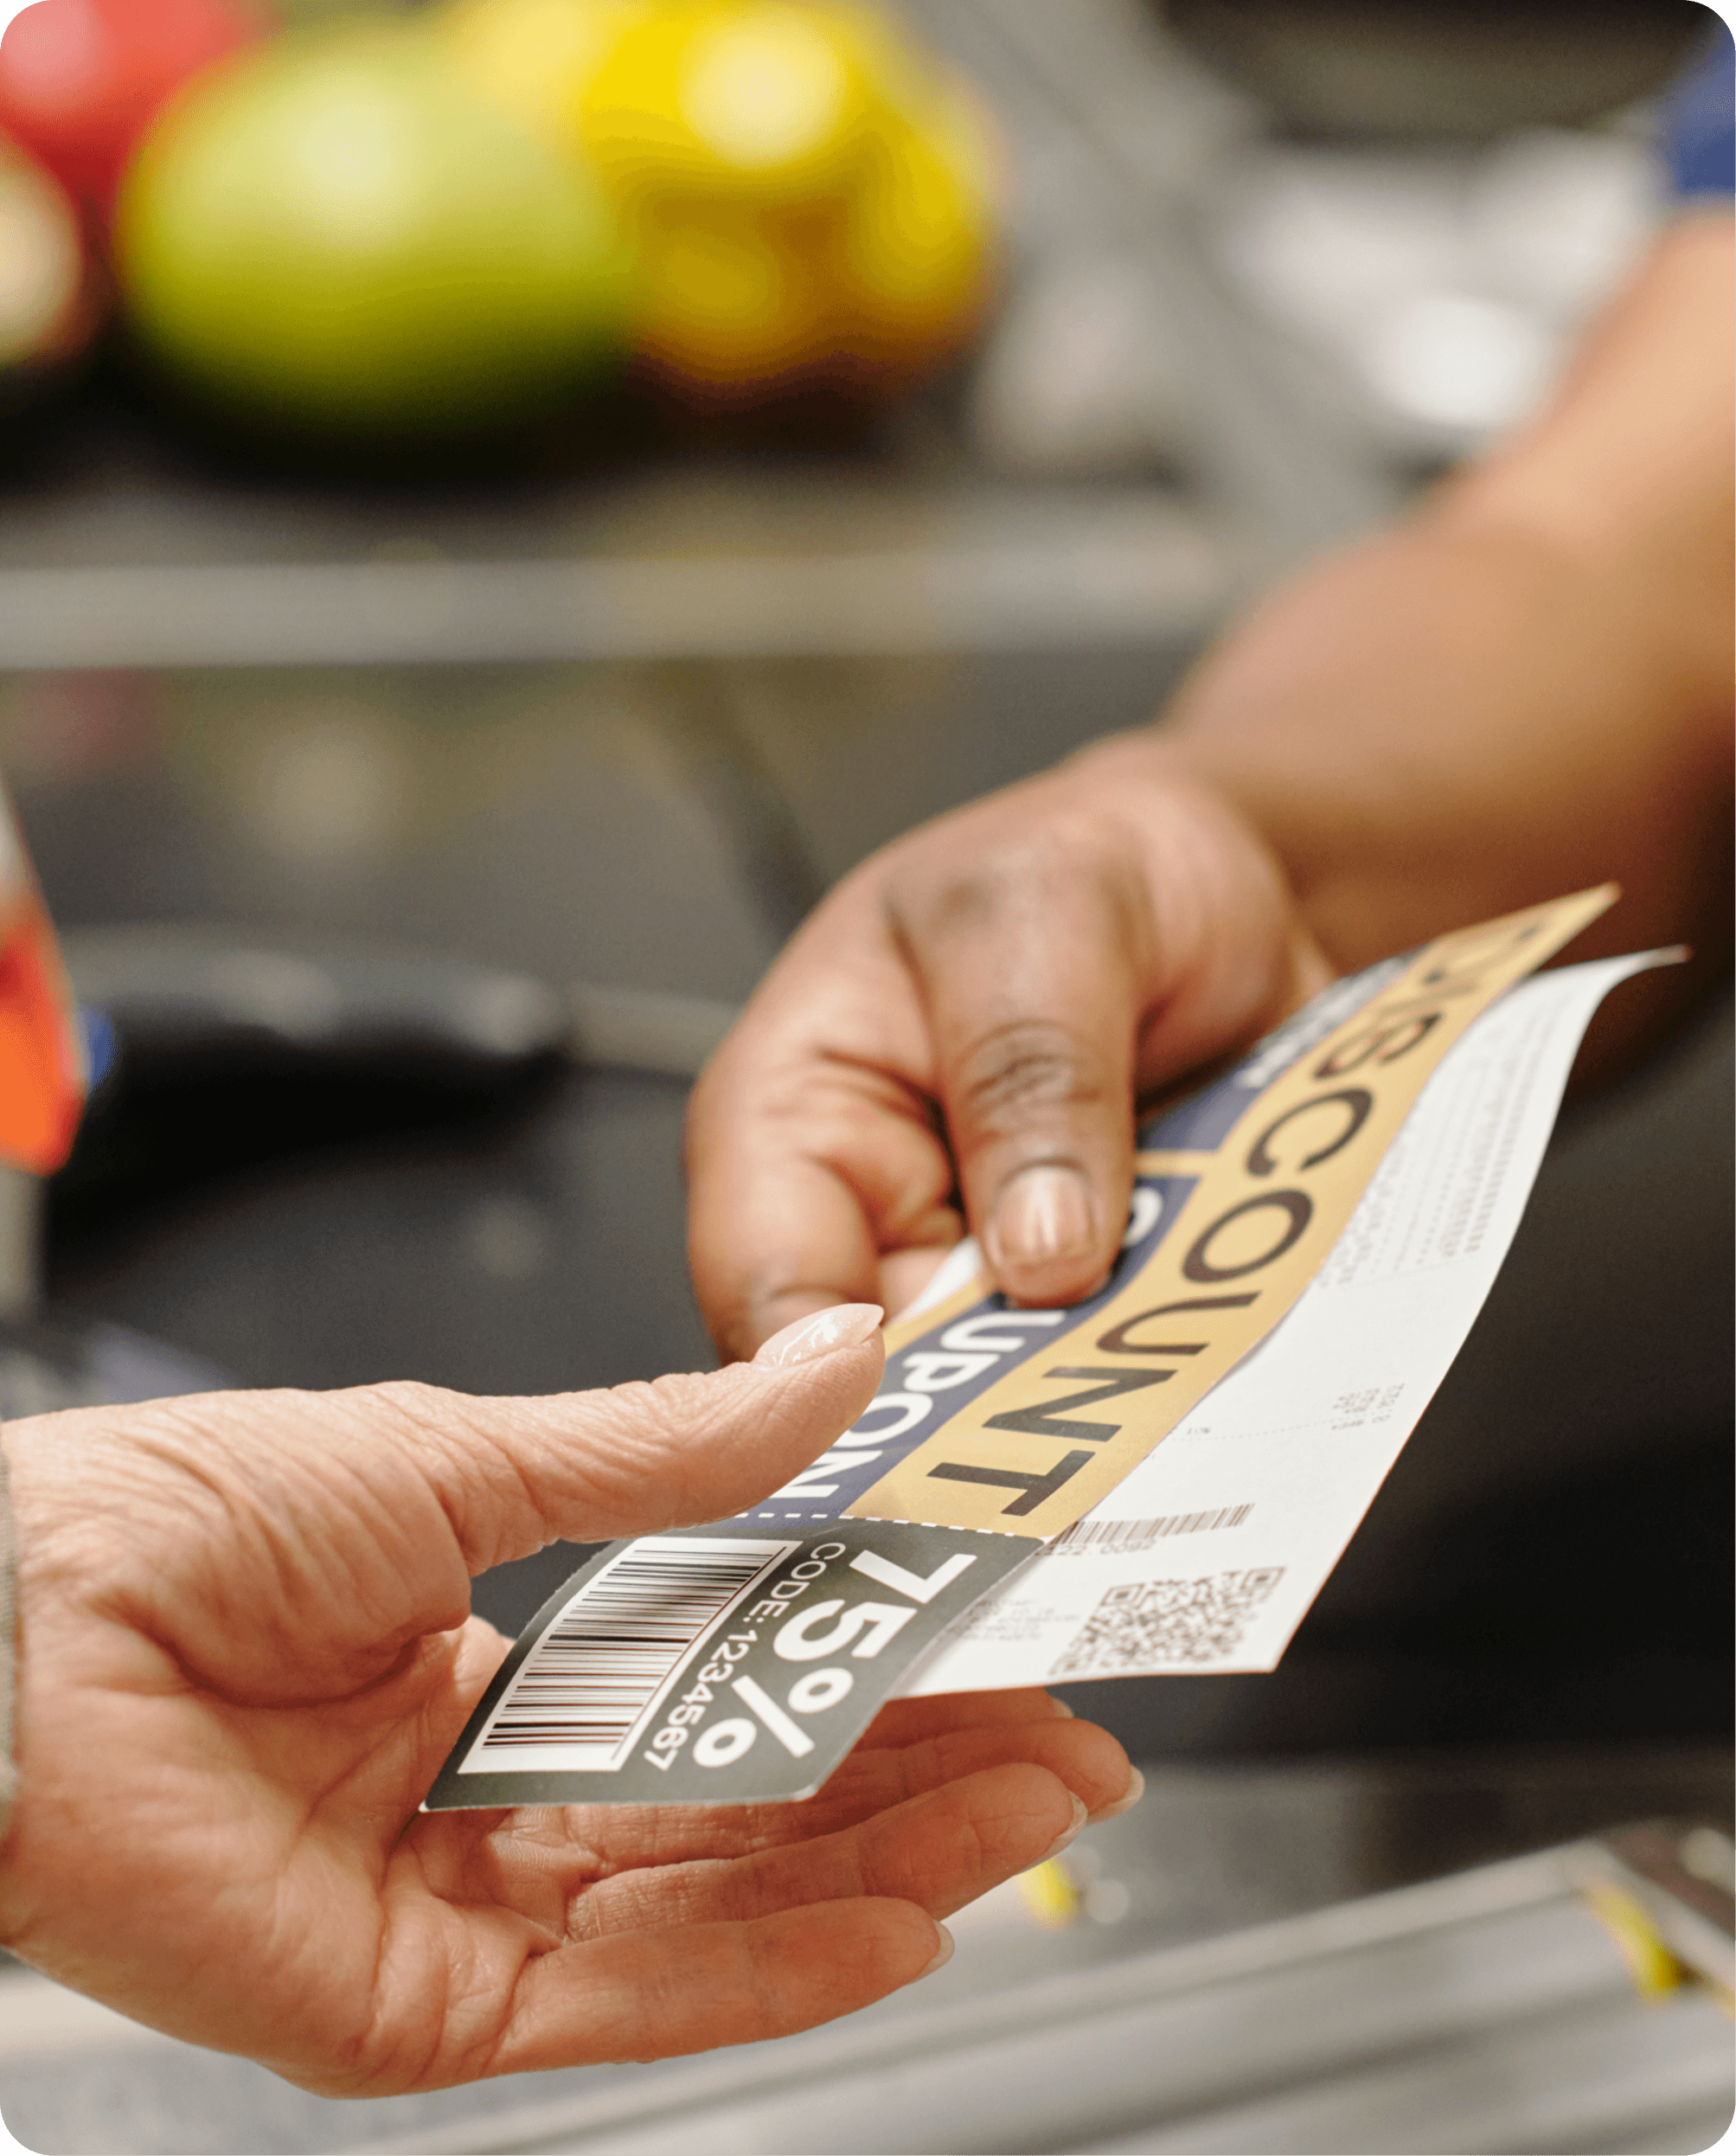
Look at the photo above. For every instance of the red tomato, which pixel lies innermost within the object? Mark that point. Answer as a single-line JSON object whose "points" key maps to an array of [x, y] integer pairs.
{"points": [[81, 79]]}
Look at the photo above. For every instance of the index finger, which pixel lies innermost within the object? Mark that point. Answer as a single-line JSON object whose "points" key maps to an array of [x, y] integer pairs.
{"points": [[812, 1144]]}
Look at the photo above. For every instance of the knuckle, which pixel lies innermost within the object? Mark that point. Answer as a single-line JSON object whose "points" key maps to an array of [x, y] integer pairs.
{"points": [[671, 1426], [1026, 1069], [423, 1406], [960, 900], [1024, 1806], [1021, 869], [964, 894], [659, 1411]]}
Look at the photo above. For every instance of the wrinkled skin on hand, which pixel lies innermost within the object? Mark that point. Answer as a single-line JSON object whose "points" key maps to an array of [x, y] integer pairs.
{"points": [[246, 1650], [960, 1034]]}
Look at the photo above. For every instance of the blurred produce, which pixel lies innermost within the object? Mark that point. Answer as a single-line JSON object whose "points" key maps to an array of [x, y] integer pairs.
{"points": [[816, 198], [725, 305], [335, 232], [536, 57], [770, 104], [81, 79], [295, 12], [400, 221], [47, 299], [909, 258]]}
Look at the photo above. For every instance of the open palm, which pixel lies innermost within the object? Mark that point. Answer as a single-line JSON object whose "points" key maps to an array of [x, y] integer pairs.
{"points": [[247, 1650]]}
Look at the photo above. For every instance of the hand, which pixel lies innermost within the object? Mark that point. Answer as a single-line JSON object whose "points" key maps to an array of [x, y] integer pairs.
{"points": [[967, 1020], [245, 1651]]}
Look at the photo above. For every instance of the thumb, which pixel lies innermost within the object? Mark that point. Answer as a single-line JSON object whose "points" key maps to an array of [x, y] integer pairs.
{"points": [[512, 1475], [283, 1542], [1102, 932], [1035, 969]]}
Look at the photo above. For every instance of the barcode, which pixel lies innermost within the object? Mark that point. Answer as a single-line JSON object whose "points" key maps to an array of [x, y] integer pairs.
{"points": [[1111, 1539], [599, 1672]]}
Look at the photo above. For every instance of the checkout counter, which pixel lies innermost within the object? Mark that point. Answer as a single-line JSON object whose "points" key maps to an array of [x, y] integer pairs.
{"points": [[419, 842]]}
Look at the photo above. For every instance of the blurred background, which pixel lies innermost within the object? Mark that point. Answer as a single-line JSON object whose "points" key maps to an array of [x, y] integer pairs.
{"points": [[501, 502]]}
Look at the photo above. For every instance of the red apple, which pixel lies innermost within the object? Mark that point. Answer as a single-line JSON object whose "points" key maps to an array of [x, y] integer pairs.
{"points": [[81, 79]]}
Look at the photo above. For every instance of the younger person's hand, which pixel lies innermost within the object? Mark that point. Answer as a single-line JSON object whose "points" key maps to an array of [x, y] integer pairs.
{"points": [[959, 1034]]}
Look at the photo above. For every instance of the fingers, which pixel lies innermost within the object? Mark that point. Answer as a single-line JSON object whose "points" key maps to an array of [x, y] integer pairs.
{"points": [[811, 1145], [781, 1940], [664, 1956], [939, 1850], [773, 1234], [999, 983], [1084, 1760], [514, 1474], [351, 1521], [909, 1721], [629, 1997], [1098, 932]]}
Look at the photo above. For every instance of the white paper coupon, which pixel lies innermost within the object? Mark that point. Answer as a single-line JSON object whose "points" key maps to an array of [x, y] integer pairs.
{"points": [[1156, 1479], [1207, 1557]]}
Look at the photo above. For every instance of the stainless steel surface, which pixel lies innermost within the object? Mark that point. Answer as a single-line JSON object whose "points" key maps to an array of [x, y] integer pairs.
{"points": [[1216, 1989], [1667, 1876], [1497, 1962], [1587, 2077], [1128, 574]]}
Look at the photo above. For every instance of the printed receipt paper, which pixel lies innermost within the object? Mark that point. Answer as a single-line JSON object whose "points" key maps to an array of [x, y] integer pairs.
{"points": [[1002, 1512]]}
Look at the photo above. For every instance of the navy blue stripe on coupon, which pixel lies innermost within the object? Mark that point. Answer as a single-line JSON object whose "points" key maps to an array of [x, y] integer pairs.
{"points": [[944, 1370]]}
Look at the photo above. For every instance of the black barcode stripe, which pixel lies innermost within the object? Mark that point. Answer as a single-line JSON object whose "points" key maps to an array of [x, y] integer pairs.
{"points": [[591, 1679], [1111, 1538]]}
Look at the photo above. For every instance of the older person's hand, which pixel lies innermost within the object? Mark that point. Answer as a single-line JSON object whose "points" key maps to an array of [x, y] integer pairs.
{"points": [[246, 1650]]}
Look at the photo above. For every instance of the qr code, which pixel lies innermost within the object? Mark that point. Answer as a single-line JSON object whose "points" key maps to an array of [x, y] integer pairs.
{"points": [[1152, 1621], [1350, 1410]]}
